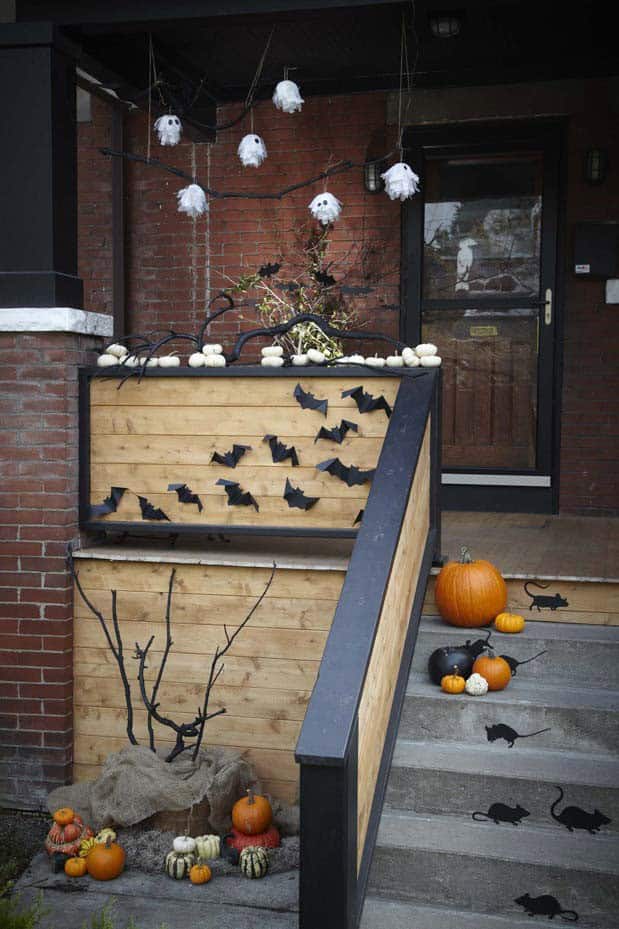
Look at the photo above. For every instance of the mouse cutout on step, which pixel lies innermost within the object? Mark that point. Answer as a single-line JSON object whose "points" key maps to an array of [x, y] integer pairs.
{"points": [[541, 601], [545, 906], [501, 731], [574, 817], [501, 813]]}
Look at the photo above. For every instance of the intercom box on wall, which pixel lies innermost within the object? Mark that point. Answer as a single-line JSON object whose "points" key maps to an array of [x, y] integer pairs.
{"points": [[596, 250]]}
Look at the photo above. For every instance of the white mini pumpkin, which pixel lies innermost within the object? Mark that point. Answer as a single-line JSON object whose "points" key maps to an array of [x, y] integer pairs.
{"points": [[431, 361], [208, 846], [316, 357], [272, 351], [395, 361], [214, 349], [476, 685], [116, 349], [196, 360], [107, 361], [409, 358], [169, 361], [299, 360], [131, 361], [214, 361], [375, 362], [272, 362], [184, 844], [357, 359], [425, 348]]}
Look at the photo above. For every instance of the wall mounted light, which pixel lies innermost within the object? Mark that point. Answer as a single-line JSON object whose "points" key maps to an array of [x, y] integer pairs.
{"points": [[444, 25], [372, 179], [596, 166]]}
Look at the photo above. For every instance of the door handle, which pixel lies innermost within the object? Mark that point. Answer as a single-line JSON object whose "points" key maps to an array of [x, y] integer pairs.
{"points": [[548, 306]]}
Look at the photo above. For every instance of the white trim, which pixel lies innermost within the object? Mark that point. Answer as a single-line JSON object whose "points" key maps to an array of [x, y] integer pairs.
{"points": [[505, 480], [55, 319]]}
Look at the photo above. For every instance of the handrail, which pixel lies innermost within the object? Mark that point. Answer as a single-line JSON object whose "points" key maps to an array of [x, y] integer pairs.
{"points": [[327, 746]]}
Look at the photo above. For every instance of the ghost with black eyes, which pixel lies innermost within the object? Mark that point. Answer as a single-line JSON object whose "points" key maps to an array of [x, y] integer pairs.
{"points": [[252, 151], [325, 208], [401, 182], [169, 129]]}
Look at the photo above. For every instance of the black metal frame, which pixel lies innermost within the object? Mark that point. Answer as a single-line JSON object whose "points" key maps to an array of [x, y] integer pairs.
{"points": [[200, 530], [481, 139], [331, 890]]}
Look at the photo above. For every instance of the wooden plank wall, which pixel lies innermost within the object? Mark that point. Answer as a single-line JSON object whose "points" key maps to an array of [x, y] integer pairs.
{"points": [[382, 674], [268, 676], [163, 431]]}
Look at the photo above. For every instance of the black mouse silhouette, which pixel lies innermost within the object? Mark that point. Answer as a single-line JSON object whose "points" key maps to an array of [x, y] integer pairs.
{"points": [[478, 646], [501, 731], [573, 817], [501, 813], [545, 906], [541, 602], [515, 664]]}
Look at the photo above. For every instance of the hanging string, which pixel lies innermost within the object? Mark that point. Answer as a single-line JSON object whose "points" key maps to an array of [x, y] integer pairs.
{"points": [[150, 94], [403, 55]]}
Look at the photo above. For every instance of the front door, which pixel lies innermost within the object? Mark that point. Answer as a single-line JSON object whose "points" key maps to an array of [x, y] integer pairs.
{"points": [[479, 268]]}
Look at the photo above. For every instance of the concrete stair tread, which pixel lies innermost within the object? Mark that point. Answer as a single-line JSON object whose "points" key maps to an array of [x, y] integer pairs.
{"points": [[535, 845], [524, 693], [533, 630], [382, 913], [552, 766]]}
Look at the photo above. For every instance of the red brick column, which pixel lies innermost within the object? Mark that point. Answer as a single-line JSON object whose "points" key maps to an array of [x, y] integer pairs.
{"points": [[38, 517]]}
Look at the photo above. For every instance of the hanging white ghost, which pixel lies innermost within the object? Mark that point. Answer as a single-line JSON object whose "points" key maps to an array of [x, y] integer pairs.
{"points": [[252, 151], [192, 200], [401, 182], [169, 129], [325, 208], [287, 97]]}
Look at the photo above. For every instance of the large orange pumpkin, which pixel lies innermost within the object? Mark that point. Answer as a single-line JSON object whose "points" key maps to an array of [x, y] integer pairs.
{"points": [[496, 671], [470, 593], [105, 862], [252, 814]]}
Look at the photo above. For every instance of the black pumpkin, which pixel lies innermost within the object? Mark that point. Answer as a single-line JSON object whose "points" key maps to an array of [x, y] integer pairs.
{"points": [[444, 660]]}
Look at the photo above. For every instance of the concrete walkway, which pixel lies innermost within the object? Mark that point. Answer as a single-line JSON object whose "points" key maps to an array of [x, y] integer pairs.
{"points": [[154, 901]]}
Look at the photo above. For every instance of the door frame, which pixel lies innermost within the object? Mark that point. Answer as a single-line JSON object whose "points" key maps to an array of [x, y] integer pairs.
{"points": [[516, 491]]}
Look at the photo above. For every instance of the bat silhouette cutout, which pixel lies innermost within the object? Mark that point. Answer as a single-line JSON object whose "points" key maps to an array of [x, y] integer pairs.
{"points": [[295, 497], [185, 495], [350, 474], [149, 511], [269, 270], [337, 433], [366, 403], [109, 505], [280, 452], [359, 518], [231, 459], [327, 280], [236, 496], [308, 401]]}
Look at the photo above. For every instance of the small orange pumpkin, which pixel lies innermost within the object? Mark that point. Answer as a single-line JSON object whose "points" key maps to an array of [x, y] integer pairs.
{"points": [[470, 593], [64, 816], [200, 874], [509, 622], [75, 867], [106, 861], [453, 683], [496, 671], [252, 814]]}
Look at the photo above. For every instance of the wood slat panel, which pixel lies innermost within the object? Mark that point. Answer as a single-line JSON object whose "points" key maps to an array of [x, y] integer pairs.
{"points": [[377, 697], [255, 391]]}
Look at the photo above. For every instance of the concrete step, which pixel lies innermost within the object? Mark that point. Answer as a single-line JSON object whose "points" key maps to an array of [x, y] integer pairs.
{"points": [[452, 778], [454, 862], [579, 719], [383, 913], [587, 655]]}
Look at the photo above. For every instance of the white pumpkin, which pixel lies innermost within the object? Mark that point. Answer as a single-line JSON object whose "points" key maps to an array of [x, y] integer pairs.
{"points": [[214, 361], [272, 362], [116, 349], [316, 357], [357, 359], [272, 351], [214, 349], [196, 360], [208, 846], [395, 361], [375, 362], [184, 844], [149, 362], [430, 361], [131, 361], [107, 361], [425, 348], [476, 685], [169, 361], [299, 360], [409, 358]]}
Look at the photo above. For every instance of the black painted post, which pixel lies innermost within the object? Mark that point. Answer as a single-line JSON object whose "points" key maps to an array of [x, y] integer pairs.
{"points": [[435, 465], [38, 168]]}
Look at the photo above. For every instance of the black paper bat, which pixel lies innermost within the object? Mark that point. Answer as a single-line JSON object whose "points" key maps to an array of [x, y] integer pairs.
{"points": [[269, 270], [149, 511], [366, 402], [327, 280], [185, 495], [338, 433], [236, 496], [279, 451], [231, 459], [308, 401], [349, 474], [294, 496], [109, 505], [358, 517]]}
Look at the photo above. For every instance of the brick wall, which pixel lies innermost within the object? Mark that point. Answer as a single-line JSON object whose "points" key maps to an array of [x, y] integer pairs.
{"points": [[38, 517]]}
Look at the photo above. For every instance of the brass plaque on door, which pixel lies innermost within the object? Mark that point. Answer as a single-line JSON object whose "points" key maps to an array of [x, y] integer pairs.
{"points": [[484, 332]]}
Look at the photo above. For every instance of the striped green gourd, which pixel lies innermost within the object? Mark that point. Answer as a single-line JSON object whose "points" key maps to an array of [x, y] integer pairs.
{"points": [[178, 864], [254, 862]]}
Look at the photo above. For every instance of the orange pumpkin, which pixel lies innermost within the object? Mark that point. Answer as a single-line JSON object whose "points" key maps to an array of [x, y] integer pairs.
{"points": [[64, 815], [252, 814], [72, 831], [509, 622], [496, 671], [105, 862], [75, 867], [67, 839], [200, 874], [453, 683], [470, 593]]}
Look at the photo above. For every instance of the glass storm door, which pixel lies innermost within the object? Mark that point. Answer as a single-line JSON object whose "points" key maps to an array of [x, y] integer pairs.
{"points": [[484, 267]]}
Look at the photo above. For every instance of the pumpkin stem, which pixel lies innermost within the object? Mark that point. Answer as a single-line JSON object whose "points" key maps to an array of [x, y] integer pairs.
{"points": [[250, 795], [465, 555]]}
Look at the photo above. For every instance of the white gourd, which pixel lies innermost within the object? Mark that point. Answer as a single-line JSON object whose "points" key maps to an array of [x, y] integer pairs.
{"points": [[214, 361], [430, 361], [316, 357], [476, 685], [425, 348], [375, 362], [131, 361], [149, 362], [214, 349], [169, 361], [208, 846], [299, 360], [272, 351], [116, 349], [395, 361], [184, 844], [272, 362], [196, 360], [107, 361], [409, 358]]}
